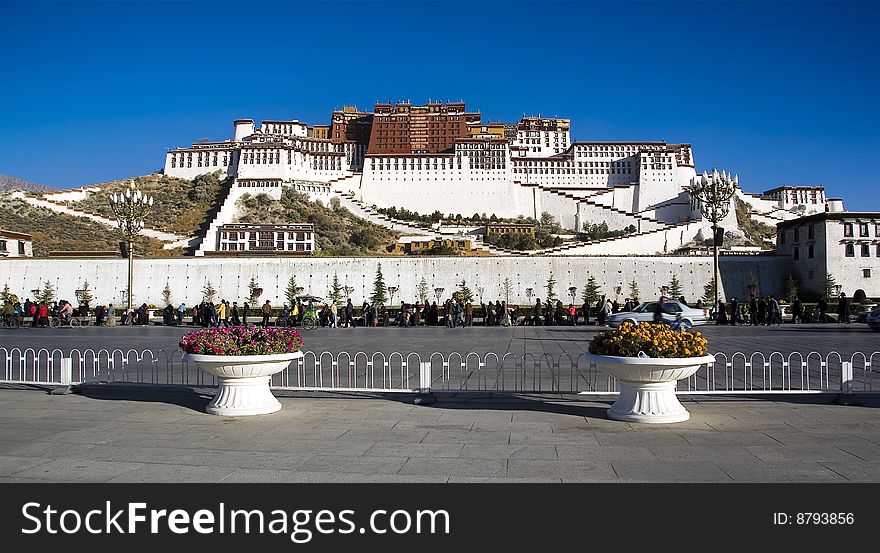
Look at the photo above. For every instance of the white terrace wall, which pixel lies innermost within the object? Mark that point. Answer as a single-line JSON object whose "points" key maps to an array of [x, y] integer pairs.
{"points": [[230, 277]]}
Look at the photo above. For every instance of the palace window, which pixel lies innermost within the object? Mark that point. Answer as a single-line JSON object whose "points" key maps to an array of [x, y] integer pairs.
{"points": [[850, 250], [866, 273], [847, 229], [863, 229], [866, 250], [810, 252]]}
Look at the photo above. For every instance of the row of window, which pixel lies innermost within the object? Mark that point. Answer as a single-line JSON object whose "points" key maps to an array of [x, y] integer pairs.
{"points": [[865, 250], [863, 229], [3, 247], [265, 246]]}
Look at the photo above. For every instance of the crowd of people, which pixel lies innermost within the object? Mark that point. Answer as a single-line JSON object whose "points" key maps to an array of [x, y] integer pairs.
{"points": [[452, 313], [766, 311]]}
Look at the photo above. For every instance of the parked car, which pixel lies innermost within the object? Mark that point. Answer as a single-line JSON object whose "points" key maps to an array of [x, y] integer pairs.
{"points": [[644, 313], [874, 320], [866, 310]]}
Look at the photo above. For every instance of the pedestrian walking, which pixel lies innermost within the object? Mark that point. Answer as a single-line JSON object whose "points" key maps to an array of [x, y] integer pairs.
{"points": [[734, 311], [842, 309], [267, 311], [797, 310]]}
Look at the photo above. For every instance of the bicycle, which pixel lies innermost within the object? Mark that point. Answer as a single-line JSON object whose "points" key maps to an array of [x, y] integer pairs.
{"points": [[10, 322], [310, 323], [57, 322]]}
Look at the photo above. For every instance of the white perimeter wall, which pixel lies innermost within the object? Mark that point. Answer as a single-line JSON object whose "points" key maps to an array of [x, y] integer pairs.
{"points": [[230, 277]]}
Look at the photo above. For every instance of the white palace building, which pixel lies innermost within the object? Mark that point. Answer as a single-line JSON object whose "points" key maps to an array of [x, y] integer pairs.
{"points": [[441, 157]]}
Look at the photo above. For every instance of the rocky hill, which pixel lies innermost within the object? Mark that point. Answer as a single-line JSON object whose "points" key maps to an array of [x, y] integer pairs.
{"points": [[9, 184]]}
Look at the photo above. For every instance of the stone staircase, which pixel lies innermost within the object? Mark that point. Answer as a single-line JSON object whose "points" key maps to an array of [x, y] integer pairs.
{"points": [[58, 206], [642, 220], [222, 213], [360, 209]]}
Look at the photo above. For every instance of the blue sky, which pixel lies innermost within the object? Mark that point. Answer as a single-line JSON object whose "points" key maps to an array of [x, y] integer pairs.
{"points": [[783, 93]]}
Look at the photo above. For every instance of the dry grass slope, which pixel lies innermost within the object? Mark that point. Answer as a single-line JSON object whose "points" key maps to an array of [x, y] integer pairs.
{"points": [[337, 230], [59, 232]]}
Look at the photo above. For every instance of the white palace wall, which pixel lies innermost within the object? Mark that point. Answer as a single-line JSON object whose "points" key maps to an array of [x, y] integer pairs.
{"points": [[230, 277]]}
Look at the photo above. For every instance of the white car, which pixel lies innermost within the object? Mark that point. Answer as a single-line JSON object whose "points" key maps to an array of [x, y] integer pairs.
{"points": [[644, 313]]}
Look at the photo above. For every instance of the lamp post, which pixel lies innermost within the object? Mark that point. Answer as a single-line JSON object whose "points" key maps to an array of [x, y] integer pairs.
{"points": [[572, 291], [130, 208], [713, 193], [480, 290], [837, 288], [391, 290], [348, 290], [438, 292], [529, 293]]}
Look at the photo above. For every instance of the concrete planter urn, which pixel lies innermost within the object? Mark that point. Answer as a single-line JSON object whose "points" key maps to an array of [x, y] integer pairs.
{"points": [[647, 386], [244, 381]]}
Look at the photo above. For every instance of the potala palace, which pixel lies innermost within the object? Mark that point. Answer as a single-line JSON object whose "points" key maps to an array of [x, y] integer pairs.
{"points": [[439, 156]]}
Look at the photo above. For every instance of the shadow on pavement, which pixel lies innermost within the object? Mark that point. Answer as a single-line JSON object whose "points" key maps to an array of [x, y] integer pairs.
{"points": [[173, 395]]}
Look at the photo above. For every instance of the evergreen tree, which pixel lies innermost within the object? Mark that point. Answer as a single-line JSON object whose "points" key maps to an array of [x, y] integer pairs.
{"points": [[463, 293], [829, 285], [591, 291], [47, 295], [87, 296], [674, 288], [166, 293], [423, 290], [379, 294], [791, 289], [254, 291], [751, 286], [7, 296], [634, 291], [336, 290], [290, 292], [208, 292], [508, 289], [709, 292], [551, 285]]}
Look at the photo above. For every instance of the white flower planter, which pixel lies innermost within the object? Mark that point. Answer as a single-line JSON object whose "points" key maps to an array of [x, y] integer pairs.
{"points": [[647, 386], [244, 381]]}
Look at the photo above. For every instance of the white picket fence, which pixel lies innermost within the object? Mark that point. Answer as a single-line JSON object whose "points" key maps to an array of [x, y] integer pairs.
{"points": [[739, 373]]}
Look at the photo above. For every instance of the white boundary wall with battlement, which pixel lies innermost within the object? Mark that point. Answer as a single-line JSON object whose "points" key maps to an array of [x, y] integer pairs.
{"points": [[230, 277]]}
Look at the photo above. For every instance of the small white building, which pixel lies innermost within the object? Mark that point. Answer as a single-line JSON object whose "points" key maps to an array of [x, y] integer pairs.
{"points": [[16, 244], [845, 245], [798, 199], [243, 239]]}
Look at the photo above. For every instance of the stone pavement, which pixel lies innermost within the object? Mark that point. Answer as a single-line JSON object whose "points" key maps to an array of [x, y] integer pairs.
{"points": [[128, 433]]}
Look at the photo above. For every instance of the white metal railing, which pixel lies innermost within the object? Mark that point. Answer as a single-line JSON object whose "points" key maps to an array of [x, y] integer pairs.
{"points": [[412, 372]]}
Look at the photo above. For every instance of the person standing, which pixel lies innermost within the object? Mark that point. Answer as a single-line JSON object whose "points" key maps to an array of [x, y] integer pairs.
{"points": [[349, 314], [842, 309], [586, 309], [333, 314], [823, 309], [734, 311], [762, 311], [181, 311], [236, 321], [468, 314], [267, 311], [722, 313], [797, 310], [572, 314], [245, 313], [775, 311], [221, 314]]}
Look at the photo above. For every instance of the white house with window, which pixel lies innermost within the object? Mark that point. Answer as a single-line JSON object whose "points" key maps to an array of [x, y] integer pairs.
{"points": [[16, 244], [845, 245]]}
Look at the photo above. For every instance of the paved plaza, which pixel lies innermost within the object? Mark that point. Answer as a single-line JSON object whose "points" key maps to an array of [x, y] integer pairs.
{"points": [[128, 433], [554, 340]]}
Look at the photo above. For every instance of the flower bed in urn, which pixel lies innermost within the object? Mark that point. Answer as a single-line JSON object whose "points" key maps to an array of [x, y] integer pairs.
{"points": [[655, 340], [242, 340]]}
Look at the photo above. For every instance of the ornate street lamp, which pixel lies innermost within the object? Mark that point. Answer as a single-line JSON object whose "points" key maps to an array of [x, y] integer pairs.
{"points": [[130, 209], [348, 290], [480, 290], [391, 290], [713, 193], [438, 292], [529, 293], [837, 288], [572, 291]]}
